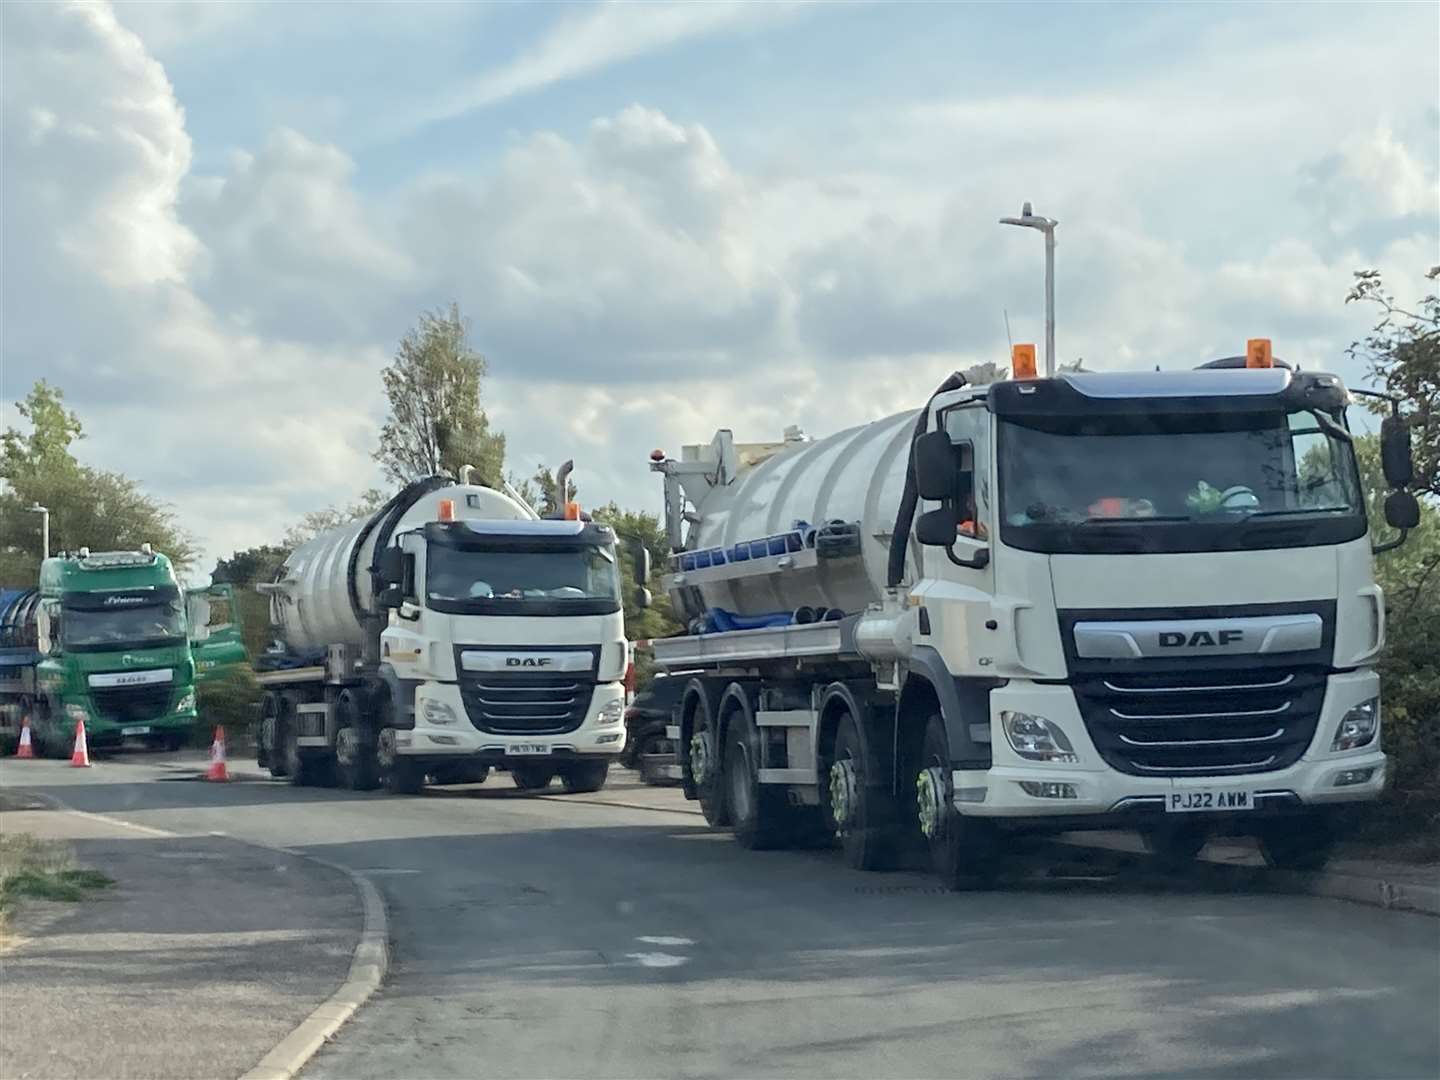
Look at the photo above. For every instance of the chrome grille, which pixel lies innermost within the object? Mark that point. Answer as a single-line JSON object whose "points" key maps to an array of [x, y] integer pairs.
{"points": [[1203, 723], [503, 703]]}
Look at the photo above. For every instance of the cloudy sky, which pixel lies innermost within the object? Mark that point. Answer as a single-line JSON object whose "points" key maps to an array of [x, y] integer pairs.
{"points": [[218, 219]]}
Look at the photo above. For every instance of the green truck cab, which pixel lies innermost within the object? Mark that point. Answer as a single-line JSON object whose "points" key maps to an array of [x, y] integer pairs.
{"points": [[114, 640], [217, 632]]}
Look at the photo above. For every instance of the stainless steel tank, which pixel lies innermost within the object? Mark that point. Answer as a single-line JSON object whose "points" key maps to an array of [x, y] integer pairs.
{"points": [[855, 475], [310, 603]]}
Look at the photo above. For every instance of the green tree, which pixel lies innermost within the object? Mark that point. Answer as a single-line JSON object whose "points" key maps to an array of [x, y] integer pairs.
{"points": [[318, 521], [658, 620], [1402, 352], [436, 424], [89, 507], [1410, 666]]}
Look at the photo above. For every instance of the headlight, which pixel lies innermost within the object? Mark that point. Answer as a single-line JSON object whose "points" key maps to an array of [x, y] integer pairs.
{"points": [[186, 703], [1358, 726], [1037, 739], [437, 712], [612, 712]]}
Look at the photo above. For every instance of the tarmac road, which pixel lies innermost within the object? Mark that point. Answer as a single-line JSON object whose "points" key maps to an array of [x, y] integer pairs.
{"points": [[559, 938]]}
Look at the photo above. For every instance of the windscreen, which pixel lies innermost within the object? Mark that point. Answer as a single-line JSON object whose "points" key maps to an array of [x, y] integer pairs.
{"points": [[1178, 483], [97, 621], [539, 580]]}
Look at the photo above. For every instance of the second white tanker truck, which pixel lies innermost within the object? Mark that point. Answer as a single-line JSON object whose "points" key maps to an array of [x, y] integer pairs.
{"points": [[450, 632], [1139, 601]]}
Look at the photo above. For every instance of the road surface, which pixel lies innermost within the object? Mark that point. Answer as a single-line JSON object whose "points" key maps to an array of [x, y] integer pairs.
{"points": [[560, 938]]}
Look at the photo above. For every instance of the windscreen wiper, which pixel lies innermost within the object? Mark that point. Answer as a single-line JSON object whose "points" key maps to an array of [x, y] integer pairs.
{"points": [[1134, 520], [1292, 510]]}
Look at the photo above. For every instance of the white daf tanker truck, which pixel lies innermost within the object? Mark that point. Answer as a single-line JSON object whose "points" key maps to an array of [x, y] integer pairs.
{"points": [[1139, 601], [450, 632]]}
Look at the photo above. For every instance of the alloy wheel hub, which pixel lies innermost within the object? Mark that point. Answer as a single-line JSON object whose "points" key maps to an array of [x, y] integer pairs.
{"points": [[842, 792], [700, 757], [930, 799]]}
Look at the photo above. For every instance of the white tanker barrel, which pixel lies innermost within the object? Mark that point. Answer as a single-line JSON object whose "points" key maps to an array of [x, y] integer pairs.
{"points": [[856, 476], [311, 603]]}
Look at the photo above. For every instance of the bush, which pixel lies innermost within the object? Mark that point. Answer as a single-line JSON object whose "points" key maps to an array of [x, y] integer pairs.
{"points": [[232, 699]]}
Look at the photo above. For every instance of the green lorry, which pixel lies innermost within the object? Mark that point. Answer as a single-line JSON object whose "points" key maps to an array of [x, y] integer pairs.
{"points": [[113, 632]]}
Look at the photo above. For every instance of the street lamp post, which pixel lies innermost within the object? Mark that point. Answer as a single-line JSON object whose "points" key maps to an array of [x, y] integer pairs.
{"points": [[44, 512], [1029, 220]]}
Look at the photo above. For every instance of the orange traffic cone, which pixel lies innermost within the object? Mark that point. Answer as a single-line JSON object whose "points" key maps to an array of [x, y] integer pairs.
{"points": [[80, 758], [217, 770], [25, 750]]}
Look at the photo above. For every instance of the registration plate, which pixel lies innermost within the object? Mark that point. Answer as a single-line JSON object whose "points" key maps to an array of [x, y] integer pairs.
{"points": [[124, 731], [1199, 800], [523, 749]]}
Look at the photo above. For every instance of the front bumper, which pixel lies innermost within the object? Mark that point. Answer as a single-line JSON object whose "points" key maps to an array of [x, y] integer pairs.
{"points": [[1091, 788], [593, 739]]}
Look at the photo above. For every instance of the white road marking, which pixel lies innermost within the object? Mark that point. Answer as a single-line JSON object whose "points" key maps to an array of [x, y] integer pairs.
{"points": [[665, 940], [656, 959]]}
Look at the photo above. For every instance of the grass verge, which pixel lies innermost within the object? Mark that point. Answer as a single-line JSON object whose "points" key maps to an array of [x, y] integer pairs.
{"points": [[42, 870]]}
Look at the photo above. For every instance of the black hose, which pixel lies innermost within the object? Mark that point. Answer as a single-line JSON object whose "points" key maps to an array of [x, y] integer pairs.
{"points": [[900, 536], [385, 519]]}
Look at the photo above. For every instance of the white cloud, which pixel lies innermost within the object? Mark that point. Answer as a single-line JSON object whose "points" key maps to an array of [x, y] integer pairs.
{"points": [[635, 286], [603, 35]]}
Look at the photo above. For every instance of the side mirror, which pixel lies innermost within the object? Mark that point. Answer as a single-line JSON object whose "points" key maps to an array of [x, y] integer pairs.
{"points": [[641, 556], [937, 528], [936, 463], [1395, 459], [392, 596], [391, 566], [642, 597], [1402, 510]]}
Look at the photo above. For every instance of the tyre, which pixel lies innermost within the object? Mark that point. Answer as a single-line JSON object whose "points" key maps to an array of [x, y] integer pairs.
{"points": [[270, 744], [398, 774], [963, 850], [1174, 846], [300, 769], [706, 770], [584, 776], [862, 812], [1303, 845], [532, 777], [49, 741], [356, 763], [757, 811]]}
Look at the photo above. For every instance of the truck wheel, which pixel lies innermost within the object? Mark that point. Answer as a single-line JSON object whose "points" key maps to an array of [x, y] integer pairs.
{"points": [[963, 850], [584, 776], [863, 814], [706, 771], [299, 770], [400, 775], [356, 763], [49, 743], [757, 810], [1304, 845], [532, 777], [270, 743], [1174, 845]]}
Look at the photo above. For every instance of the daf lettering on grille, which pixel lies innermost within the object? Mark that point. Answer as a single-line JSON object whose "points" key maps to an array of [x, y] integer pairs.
{"points": [[528, 661], [1176, 639]]}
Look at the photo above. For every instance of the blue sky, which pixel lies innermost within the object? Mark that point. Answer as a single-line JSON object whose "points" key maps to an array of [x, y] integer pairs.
{"points": [[663, 218]]}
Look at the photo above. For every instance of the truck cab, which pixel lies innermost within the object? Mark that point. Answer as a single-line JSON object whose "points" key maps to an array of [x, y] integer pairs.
{"points": [[507, 645], [1160, 587], [113, 637]]}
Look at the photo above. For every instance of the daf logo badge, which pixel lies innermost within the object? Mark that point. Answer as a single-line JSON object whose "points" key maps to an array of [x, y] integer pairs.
{"points": [[528, 661], [1175, 639]]}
